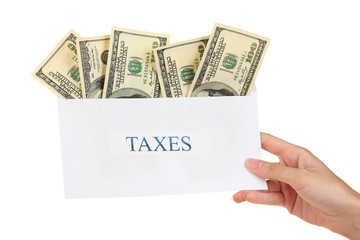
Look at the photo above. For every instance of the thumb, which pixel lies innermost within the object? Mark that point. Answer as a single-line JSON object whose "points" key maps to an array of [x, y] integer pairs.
{"points": [[272, 171]]}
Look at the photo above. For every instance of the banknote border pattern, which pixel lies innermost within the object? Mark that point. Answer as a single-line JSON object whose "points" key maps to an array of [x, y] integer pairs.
{"points": [[253, 67], [83, 55], [50, 82]]}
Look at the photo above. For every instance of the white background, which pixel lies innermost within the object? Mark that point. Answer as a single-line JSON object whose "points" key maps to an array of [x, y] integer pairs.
{"points": [[308, 93]]}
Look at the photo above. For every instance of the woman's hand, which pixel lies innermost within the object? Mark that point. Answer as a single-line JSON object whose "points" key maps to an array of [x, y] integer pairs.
{"points": [[304, 185]]}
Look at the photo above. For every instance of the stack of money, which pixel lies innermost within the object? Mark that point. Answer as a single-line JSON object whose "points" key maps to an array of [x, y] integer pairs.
{"points": [[135, 64]]}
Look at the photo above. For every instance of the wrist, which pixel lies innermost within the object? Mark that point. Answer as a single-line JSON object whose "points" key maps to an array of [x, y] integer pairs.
{"points": [[357, 218], [354, 234], [348, 225]]}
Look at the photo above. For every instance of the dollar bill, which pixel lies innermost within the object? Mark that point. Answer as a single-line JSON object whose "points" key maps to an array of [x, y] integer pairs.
{"points": [[177, 64], [93, 56], [59, 72], [230, 64], [131, 70]]}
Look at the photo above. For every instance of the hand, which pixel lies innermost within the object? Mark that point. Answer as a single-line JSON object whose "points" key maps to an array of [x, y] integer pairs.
{"points": [[304, 185]]}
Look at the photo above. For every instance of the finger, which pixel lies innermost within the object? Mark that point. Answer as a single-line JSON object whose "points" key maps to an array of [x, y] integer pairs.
{"points": [[273, 186], [239, 196], [275, 145], [267, 198], [273, 171], [259, 197]]}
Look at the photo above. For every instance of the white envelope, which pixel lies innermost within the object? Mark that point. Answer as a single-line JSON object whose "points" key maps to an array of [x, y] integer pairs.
{"points": [[139, 147]]}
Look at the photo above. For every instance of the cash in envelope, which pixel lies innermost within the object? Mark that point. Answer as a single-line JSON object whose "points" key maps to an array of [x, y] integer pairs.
{"points": [[135, 64]]}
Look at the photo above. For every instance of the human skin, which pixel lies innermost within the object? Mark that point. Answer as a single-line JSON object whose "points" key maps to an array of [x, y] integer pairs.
{"points": [[306, 187]]}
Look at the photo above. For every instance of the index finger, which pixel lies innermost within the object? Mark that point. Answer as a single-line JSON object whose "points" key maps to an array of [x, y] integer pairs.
{"points": [[276, 145]]}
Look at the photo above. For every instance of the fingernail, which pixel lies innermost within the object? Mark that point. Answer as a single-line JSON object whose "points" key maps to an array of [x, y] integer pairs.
{"points": [[253, 164], [234, 198]]}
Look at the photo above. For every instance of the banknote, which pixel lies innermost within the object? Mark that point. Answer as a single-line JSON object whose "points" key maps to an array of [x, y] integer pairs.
{"points": [[59, 72], [231, 61], [177, 64], [93, 56], [131, 70]]}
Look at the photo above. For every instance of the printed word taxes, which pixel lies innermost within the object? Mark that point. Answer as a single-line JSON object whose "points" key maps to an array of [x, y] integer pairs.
{"points": [[158, 143]]}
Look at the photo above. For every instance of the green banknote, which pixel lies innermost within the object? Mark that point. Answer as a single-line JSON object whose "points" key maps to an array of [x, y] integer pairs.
{"points": [[177, 64], [59, 72], [131, 70], [230, 63], [93, 56]]}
